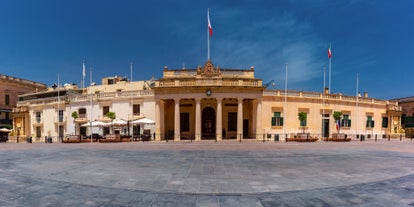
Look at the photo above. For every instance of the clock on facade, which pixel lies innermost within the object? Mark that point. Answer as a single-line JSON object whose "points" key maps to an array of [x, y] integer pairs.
{"points": [[208, 92]]}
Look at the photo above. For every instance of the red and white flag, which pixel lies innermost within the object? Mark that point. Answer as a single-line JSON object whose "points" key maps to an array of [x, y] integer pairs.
{"points": [[210, 29], [329, 53]]}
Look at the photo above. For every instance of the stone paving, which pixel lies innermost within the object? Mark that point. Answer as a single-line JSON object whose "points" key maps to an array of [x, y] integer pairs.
{"points": [[208, 174]]}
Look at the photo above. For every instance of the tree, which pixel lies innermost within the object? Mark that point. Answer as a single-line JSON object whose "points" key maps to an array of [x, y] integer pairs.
{"points": [[75, 116], [337, 115], [302, 118], [112, 116]]}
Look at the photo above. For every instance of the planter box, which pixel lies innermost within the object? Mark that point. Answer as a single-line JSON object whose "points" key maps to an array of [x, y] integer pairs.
{"points": [[72, 139], [302, 137], [126, 139], [337, 139], [339, 136], [111, 138]]}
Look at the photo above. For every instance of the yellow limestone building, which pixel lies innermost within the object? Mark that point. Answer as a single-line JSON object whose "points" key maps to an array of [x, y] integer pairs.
{"points": [[208, 103], [213, 103]]}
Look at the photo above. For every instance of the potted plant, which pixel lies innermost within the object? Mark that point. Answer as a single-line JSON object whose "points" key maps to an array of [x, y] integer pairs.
{"points": [[111, 115], [75, 116], [337, 115], [302, 118]]}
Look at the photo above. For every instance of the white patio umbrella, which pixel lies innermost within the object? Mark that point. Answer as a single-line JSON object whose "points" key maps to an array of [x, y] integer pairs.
{"points": [[5, 130], [143, 121], [117, 122], [94, 124]]}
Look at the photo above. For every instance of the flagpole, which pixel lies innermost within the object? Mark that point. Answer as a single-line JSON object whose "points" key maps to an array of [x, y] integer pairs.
{"points": [[285, 107], [83, 75], [90, 119], [330, 68], [356, 94], [58, 109], [132, 106], [208, 34], [323, 103]]}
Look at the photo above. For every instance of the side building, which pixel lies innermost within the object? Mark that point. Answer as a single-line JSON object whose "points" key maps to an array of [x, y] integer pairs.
{"points": [[49, 113], [407, 117], [11, 88], [205, 103]]}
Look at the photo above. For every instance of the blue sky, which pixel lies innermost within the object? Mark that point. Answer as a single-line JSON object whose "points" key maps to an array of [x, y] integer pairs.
{"points": [[41, 39]]}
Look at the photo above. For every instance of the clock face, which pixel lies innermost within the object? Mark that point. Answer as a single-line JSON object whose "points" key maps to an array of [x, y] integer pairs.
{"points": [[208, 92]]}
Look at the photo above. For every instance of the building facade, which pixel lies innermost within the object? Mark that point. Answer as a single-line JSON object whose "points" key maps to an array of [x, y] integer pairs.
{"points": [[407, 117], [50, 113], [11, 88], [206, 103]]}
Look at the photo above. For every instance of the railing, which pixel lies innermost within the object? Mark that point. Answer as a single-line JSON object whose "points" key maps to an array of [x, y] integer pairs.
{"points": [[281, 93], [210, 82], [87, 97]]}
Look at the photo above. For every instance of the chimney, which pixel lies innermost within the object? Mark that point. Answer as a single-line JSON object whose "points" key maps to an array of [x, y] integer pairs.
{"points": [[365, 94], [326, 91]]}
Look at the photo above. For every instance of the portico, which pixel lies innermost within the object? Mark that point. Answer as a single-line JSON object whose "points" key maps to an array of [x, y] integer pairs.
{"points": [[208, 104]]}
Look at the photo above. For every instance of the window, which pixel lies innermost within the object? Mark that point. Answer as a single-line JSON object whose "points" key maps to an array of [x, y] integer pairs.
{"points": [[277, 120], [60, 115], [7, 99], [346, 122], [38, 116], [370, 122], [136, 109], [185, 122], [232, 121], [38, 132], [82, 113], [384, 122], [105, 110]]}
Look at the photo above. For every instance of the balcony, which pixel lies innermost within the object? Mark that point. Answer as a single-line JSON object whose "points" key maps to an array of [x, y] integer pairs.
{"points": [[37, 121], [60, 121], [210, 82], [81, 119]]}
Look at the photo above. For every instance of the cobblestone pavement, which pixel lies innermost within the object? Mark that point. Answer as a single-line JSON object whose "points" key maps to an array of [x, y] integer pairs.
{"points": [[208, 174]]}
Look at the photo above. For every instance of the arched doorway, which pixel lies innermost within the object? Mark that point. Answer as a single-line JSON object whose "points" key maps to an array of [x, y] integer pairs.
{"points": [[208, 127]]}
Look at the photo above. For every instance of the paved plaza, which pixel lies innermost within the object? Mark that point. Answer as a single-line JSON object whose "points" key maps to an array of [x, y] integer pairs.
{"points": [[251, 174]]}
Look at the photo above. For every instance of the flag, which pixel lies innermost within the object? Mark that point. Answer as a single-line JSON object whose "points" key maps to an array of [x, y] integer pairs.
{"points": [[338, 125], [84, 70], [329, 53], [210, 29]]}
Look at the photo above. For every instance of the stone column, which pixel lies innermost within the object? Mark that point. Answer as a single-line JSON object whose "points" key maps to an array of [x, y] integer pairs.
{"points": [[162, 119], [157, 121], [177, 119], [219, 120], [198, 120], [259, 130], [240, 119]]}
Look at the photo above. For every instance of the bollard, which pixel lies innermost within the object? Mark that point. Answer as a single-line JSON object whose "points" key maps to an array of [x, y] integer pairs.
{"points": [[286, 138], [389, 137], [376, 137], [400, 137]]}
